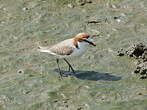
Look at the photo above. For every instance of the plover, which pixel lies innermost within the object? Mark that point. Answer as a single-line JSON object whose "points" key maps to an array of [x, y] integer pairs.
{"points": [[75, 46]]}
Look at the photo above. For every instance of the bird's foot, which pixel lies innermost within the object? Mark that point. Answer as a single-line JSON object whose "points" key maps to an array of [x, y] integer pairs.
{"points": [[63, 75], [71, 70]]}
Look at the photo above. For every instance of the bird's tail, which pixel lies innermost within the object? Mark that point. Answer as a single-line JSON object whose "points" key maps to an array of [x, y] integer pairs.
{"points": [[43, 49]]}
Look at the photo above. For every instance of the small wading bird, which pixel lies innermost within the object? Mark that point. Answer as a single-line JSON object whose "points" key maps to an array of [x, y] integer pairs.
{"points": [[75, 46]]}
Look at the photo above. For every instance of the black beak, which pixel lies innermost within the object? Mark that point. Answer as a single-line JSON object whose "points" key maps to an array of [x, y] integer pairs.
{"points": [[91, 43]]}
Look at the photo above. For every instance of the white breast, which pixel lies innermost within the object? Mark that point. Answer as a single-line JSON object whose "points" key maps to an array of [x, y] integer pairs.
{"points": [[79, 51]]}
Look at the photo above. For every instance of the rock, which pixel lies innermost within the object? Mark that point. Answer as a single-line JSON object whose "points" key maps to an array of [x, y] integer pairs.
{"points": [[142, 68], [135, 50], [144, 55], [120, 52], [138, 51]]}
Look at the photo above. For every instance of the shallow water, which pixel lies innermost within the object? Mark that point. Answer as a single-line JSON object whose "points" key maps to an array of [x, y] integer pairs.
{"points": [[29, 80]]}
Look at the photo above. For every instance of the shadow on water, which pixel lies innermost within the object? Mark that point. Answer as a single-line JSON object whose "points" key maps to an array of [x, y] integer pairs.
{"points": [[92, 75]]}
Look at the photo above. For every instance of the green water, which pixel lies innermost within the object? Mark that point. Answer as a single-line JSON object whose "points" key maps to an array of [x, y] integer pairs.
{"points": [[103, 81]]}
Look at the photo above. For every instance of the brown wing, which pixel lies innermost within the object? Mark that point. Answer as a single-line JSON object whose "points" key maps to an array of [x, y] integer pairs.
{"points": [[63, 50]]}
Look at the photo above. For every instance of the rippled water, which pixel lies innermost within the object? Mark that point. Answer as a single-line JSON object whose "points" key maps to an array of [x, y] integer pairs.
{"points": [[29, 80]]}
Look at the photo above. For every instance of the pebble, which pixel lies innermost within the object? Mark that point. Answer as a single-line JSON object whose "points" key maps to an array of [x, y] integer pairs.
{"points": [[20, 71], [70, 5], [25, 9]]}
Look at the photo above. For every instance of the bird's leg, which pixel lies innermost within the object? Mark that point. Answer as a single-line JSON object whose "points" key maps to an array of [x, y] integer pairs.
{"points": [[70, 67], [59, 67]]}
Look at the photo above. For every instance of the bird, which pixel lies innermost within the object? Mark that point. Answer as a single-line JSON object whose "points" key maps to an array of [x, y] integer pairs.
{"points": [[75, 46]]}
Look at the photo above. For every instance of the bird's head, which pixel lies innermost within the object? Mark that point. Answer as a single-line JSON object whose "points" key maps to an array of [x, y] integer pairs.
{"points": [[83, 38]]}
